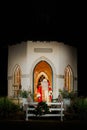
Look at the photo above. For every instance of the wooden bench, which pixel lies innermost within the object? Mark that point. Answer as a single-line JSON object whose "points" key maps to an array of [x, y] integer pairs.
{"points": [[55, 108]]}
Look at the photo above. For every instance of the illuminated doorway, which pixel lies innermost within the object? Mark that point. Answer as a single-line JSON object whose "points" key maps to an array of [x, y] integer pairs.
{"points": [[42, 70]]}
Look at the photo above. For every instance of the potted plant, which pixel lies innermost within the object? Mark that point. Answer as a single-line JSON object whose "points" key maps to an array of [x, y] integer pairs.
{"points": [[24, 95], [66, 95]]}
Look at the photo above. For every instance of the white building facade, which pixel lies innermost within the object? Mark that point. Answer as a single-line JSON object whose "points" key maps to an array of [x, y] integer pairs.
{"points": [[28, 61]]}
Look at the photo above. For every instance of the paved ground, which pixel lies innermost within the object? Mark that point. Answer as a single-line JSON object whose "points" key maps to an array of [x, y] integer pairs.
{"points": [[43, 124]]}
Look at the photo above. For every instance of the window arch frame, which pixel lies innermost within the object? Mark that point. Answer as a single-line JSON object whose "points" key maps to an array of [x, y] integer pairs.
{"points": [[16, 80], [68, 79]]}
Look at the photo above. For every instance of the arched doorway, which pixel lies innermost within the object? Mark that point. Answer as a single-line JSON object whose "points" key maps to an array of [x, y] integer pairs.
{"points": [[42, 70]]}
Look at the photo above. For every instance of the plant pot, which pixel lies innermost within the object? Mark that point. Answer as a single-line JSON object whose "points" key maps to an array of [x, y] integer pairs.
{"points": [[66, 102], [24, 101]]}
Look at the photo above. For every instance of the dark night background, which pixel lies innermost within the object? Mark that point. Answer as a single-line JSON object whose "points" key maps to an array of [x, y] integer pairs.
{"points": [[48, 22]]}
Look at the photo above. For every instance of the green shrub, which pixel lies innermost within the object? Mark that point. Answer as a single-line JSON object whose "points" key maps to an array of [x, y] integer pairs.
{"points": [[78, 108], [7, 107]]}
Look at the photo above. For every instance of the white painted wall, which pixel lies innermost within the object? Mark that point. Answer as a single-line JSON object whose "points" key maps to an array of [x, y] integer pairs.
{"points": [[23, 54]]}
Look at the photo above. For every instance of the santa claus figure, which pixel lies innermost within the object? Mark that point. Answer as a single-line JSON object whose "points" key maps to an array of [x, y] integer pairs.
{"points": [[44, 84], [47, 90]]}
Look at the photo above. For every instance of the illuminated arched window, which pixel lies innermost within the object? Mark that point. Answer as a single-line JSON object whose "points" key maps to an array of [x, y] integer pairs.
{"points": [[17, 80], [17, 76], [68, 78]]}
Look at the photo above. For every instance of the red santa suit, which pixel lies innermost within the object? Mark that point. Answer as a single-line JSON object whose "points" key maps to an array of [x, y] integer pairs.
{"points": [[39, 93]]}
